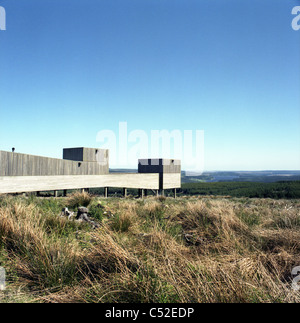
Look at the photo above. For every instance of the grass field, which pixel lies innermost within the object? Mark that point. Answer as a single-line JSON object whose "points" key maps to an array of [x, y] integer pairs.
{"points": [[160, 250]]}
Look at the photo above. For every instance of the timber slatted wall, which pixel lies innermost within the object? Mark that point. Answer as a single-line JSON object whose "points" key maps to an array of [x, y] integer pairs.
{"points": [[16, 164], [86, 154], [28, 173]]}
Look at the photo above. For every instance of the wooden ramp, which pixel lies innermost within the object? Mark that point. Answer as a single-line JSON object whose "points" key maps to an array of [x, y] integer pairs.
{"points": [[82, 168], [20, 184]]}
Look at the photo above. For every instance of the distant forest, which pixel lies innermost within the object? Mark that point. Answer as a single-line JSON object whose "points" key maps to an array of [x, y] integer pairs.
{"points": [[278, 190]]}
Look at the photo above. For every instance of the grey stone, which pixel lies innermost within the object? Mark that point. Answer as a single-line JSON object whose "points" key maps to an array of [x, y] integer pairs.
{"points": [[82, 209], [82, 215]]}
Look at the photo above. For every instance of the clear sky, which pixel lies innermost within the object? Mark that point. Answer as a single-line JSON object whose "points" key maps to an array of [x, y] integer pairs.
{"points": [[71, 68]]}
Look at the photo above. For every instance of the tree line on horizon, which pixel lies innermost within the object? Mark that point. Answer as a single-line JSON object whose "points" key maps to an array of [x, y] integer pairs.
{"points": [[278, 190]]}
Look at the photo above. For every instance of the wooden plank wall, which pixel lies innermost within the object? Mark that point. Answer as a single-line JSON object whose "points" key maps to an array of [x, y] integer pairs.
{"points": [[16, 164], [171, 181], [86, 154], [27, 173], [159, 165]]}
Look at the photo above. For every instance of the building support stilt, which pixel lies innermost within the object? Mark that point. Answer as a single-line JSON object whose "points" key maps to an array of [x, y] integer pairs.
{"points": [[161, 192], [141, 193], [106, 192], [175, 193]]}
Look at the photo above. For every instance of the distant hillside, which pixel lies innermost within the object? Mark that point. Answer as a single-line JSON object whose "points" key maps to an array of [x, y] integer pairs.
{"points": [[123, 170], [279, 190], [246, 176]]}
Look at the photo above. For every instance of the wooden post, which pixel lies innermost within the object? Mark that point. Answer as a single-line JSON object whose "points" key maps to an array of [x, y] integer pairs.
{"points": [[55, 193], [125, 192], [175, 193], [141, 193], [161, 192], [106, 192]]}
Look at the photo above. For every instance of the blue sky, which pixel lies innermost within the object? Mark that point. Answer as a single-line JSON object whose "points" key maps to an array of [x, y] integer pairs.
{"points": [[71, 68]]}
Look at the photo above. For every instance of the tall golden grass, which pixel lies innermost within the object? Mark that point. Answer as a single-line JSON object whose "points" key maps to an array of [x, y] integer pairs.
{"points": [[152, 250]]}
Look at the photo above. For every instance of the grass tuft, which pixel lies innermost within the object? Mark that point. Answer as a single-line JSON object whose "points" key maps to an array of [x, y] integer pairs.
{"points": [[160, 251], [77, 199]]}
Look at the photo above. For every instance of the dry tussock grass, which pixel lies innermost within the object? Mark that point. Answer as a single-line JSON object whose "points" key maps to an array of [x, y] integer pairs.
{"points": [[77, 199], [156, 250]]}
